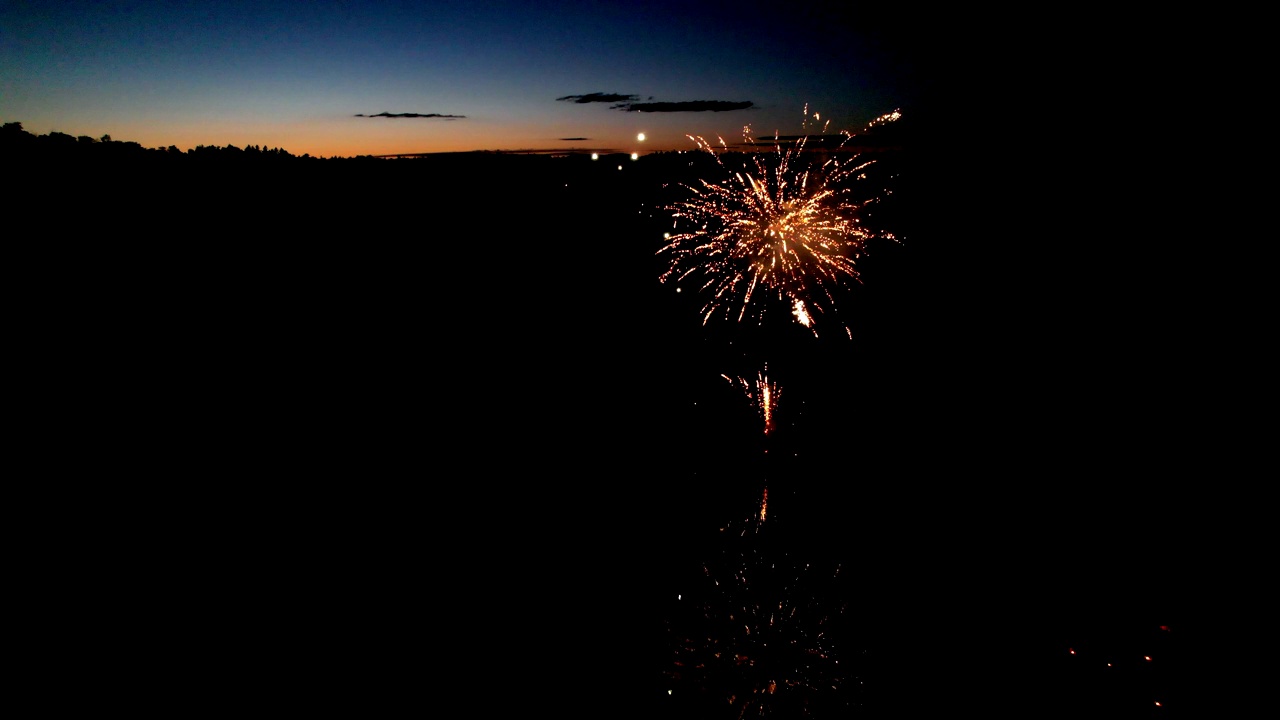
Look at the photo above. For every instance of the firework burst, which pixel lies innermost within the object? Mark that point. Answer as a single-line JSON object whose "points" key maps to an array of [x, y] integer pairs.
{"points": [[759, 634], [786, 227]]}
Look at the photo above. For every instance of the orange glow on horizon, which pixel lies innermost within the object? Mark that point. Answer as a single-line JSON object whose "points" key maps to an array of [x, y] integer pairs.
{"points": [[364, 136]]}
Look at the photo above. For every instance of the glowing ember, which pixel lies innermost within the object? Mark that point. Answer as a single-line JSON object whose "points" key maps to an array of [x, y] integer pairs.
{"points": [[802, 315]]}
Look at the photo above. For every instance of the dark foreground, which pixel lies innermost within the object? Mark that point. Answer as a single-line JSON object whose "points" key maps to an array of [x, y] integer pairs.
{"points": [[383, 439]]}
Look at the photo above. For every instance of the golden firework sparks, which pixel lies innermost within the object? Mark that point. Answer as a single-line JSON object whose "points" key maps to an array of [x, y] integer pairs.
{"points": [[783, 225], [801, 314], [763, 394]]}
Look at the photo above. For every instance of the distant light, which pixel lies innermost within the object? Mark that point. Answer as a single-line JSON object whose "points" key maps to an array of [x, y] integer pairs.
{"points": [[619, 167], [640, 137], [666, 235], [1147, 658], [1157, 702], [635, 156], [595, 156], [669, 692], [677, 289]]}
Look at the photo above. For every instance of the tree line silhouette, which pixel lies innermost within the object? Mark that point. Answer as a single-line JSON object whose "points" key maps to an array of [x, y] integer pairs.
{"points": [[59, 157], [16, 143]]}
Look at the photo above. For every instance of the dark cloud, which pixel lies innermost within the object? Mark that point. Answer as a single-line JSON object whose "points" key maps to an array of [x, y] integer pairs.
{"points": [[574, 139], [690, 106], [599, 97], [413, 115]]}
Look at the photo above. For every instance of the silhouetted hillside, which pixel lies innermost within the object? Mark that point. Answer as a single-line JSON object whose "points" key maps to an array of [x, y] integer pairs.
{"points": [[358, 403]]}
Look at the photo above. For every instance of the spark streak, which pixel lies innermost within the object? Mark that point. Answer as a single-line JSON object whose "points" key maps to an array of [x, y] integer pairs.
{"points": [[763, 394]]}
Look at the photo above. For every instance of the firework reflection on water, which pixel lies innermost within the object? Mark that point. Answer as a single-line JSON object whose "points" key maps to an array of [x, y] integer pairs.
{"points": [[759, 632]]}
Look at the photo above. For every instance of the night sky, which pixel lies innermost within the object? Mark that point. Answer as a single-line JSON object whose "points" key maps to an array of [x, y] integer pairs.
{"points": [[372, 78], [437, 438]]}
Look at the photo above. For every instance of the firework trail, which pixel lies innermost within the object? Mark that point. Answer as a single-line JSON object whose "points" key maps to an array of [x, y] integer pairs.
{"points": [[786, 227], [759, 633], [763, 394]]}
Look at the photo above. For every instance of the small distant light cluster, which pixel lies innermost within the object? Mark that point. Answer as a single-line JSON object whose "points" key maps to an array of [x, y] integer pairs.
{"points": [[1140, 668]]}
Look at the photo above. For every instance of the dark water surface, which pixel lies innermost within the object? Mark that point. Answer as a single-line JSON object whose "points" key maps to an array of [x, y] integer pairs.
{"points": [[407, 434]]}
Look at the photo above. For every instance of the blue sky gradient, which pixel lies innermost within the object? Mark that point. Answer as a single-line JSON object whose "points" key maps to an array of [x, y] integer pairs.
{"points": [[297, 75]]}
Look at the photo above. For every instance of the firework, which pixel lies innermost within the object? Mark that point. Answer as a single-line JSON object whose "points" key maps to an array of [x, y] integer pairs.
{"points": [[786, 227], [763, 395], [760, 634]]}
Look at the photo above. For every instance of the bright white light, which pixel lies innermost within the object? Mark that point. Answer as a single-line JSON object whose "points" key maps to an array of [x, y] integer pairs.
{"points": [[635, 156], [595, 156], [640, 137]]}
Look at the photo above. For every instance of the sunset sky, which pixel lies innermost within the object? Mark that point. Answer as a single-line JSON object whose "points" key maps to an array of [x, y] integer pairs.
{"points": [[334, 78]]}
